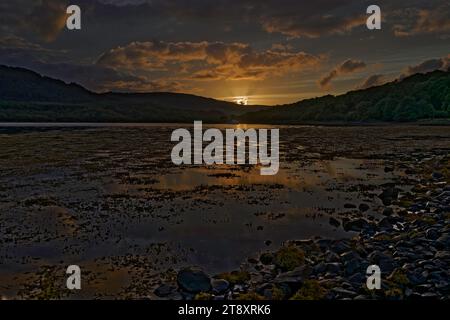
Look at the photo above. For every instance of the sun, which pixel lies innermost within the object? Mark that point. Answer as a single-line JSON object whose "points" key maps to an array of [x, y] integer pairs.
{"points": [[243, 101]]}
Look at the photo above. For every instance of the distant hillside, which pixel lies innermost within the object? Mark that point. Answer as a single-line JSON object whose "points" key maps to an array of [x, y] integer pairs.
{"points": [[421, 96], [27, 96]]}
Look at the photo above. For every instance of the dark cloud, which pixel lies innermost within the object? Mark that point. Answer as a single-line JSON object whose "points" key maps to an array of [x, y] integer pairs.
{"points": [[42, 19], [19, 43], [423, 20], [373, 81], [304, 18], [428, 66], [293, 18], [121, 3], [349, 66], [346, 67], [94, 77], [288, 17], [48, 18], [312, 19]]}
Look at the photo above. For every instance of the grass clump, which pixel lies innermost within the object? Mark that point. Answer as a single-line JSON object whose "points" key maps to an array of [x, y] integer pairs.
{"points": [[203, 296], [250, 296], [394, 293], [277, 293], [397, 283], [288, 258], [235, 277], [399, 278], [310, 290]]}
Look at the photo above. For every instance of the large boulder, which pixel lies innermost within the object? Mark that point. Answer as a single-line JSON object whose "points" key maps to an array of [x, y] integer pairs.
{"points": [[356, 225], [193, 280]]}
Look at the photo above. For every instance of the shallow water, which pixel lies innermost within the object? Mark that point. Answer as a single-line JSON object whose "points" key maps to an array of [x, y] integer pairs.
{"points": [[108, 198]]}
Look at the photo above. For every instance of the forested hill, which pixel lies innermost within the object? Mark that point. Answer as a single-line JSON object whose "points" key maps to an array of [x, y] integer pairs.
{"points": [[421, 96], [26, 96]]}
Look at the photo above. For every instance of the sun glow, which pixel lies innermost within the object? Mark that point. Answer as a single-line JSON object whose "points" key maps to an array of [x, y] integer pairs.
{"points": [[241, 100]]}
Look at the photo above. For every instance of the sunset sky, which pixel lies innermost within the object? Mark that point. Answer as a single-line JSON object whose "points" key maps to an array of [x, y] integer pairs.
{"points": [[248, 51]]}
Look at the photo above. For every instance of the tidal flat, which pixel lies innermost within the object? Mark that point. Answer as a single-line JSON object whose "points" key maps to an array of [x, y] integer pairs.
{"points": [[109, 199]]}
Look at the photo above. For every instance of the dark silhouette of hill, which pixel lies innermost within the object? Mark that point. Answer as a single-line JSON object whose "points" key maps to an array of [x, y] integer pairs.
{"points": [[26, 96]]}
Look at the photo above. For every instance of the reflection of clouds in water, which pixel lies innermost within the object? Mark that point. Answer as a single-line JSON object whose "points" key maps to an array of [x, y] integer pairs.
{"points": [[293, 176], [103, 179]]}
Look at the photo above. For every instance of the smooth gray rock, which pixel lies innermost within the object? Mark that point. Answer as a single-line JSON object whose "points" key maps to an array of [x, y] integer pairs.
{"points": [[193, 280], [219, 286]]}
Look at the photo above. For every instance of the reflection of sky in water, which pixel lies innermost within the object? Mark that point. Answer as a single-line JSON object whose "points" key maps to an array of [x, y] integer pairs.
{"points": [[238, 223], [109, 198], [295, 177], [224, 235]]}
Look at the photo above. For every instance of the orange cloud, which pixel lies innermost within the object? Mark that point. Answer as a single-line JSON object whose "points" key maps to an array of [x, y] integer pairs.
{"points": [[312, 27], [206, 60]]}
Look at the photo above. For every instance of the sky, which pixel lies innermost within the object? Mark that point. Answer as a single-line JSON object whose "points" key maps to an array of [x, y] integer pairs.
{"points": [[247, 51]]}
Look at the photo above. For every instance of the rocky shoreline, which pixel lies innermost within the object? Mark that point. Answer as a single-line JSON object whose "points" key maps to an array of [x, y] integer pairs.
{"points": [[410, 244]]}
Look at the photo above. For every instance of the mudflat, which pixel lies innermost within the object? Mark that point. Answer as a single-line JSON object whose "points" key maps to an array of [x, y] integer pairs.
{"points": [[110, 200]]}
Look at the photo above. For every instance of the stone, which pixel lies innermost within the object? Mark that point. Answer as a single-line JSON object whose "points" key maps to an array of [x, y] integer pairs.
{"points": [[442, 255], [319, 268], [389, 194], [443, 241], [388, 211], [416, 278], [219, 286], [357, 278], [295, 277], [164, 290], [432, 234], [193, 280], [352, 266], [429, 295], [350, 255], [385, 224], [437, 176], [384, 261], [266, 258], [334, 222], [363, 207], [340, 246], [330, 256], [343, 293], [333, 267], [356, 225]]}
